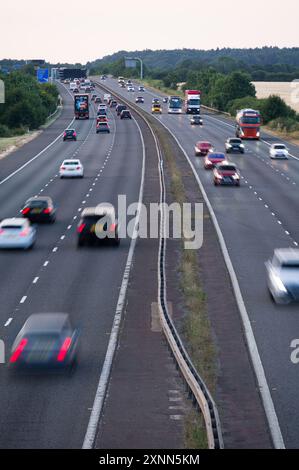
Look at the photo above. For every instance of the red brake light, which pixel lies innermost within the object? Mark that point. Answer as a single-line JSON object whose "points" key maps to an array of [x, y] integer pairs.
{"points": [[18, 351], [62, 167], [64, 349], [81, 228], [112, 227], [26, 210], [48, 210], [24, 232], [78, 168]]}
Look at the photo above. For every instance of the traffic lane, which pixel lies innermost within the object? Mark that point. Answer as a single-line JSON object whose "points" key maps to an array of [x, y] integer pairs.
{"points": [[67, 195], [68, 284], [17, 158]]}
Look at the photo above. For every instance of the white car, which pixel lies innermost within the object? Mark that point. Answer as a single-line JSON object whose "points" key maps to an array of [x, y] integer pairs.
{"points": [[107, 97], [279, 151], [141, 88], [17, 233], [130, 88], [71, 168], [283, 275]]}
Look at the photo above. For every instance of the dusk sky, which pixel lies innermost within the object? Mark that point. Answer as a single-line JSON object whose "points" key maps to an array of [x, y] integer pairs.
{"points": [[78, 31]]}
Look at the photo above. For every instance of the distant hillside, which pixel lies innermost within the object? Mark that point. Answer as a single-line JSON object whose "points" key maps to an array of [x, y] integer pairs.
{"points": [[165, 59]]}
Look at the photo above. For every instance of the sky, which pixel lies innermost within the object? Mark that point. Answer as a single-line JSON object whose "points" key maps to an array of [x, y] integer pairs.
{"points": [[81, 31]]}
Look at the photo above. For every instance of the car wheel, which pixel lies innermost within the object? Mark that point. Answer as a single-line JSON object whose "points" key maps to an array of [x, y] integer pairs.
{"points": [[80, 243]]}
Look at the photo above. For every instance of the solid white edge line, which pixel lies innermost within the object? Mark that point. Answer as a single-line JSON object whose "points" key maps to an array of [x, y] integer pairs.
{"points": [[251, 343], [106, 369]]}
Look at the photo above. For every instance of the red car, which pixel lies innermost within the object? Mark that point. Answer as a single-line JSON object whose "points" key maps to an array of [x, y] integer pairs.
{"points": [[212, 159], [227, 174], [202, 148], [102, 119]]}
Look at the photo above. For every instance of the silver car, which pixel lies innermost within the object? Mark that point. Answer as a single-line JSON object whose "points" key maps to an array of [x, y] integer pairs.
{"points": [[283, 275], [17, 233]]}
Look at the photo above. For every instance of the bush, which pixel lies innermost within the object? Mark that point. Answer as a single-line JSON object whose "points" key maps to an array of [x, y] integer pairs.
{"points": [[284, 124]]}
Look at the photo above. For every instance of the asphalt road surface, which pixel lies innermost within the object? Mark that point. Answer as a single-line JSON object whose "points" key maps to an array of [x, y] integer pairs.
{"points": [[255, 219]]}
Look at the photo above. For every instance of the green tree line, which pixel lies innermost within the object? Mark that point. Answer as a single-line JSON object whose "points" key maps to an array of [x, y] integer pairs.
{"points": [[27, 103]]}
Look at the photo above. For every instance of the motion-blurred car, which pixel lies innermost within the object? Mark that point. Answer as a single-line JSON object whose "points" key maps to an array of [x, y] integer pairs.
{"points": [[102, 127], [87, 89], [196, 120], [102, 111], [156, 108], [113, 104], [98, 224], [119, 108], [98, 99], [17, 233], [76, 90], [103, 77], [69, 134], [234, 144], [125, 114], [71, 168], [226, 173], [101, 119], [46, 340], [107, 96], [212, 158], [39, 209], [283, 275], [139, 99], [141, 88], [202, 148], [279, 151]]}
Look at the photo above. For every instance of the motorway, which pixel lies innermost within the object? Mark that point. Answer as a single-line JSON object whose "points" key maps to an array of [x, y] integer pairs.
{"points": [[53, 412], [254, 219]]}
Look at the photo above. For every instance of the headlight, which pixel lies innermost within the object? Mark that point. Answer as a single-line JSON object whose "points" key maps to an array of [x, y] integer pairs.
{"points": [[258, 134], [242, 146], [236, 177]]}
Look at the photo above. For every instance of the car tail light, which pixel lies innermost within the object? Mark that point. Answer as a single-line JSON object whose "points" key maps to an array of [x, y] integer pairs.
{"points": [[62, 168], [75, 134], [26, 210], [64, 349], [112, 227], [1, 231], [24, 232], [64, 134], [80, 228], [18, 351], [78, 168], [48, 210]]}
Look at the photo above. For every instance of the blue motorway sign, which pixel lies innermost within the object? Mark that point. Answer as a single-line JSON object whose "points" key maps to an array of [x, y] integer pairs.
{"points": [[43, 75]]}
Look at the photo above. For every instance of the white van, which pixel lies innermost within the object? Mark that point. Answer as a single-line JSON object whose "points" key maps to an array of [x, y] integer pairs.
{"points": [[107, 97]]}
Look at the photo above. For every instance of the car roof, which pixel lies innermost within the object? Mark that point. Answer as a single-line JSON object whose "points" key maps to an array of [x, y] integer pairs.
{"points": [[100, 209], [45, 323], [278, 143], [216, 154], [286, 255], [40, 198], [14, 221], [226, 163], [72, 160]]}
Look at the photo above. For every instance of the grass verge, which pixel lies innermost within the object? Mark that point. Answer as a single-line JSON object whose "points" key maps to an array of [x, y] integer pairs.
{"points": [[196, 325]]}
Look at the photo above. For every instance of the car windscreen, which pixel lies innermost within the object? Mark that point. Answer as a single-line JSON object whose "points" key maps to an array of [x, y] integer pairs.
{"points": [[74, 162], [279, 147], [226, 168], [11, 227], [291, 265], [235, 141], [42, 204]]}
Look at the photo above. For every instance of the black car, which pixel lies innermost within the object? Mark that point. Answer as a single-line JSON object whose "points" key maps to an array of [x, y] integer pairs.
{"points": [[125, 114], [98, 224], [70, 134], [119, 108], [98, 99], [113, 104], [39, 209], [46, 340], [196, 120], [139, 99], [234, 144]]}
